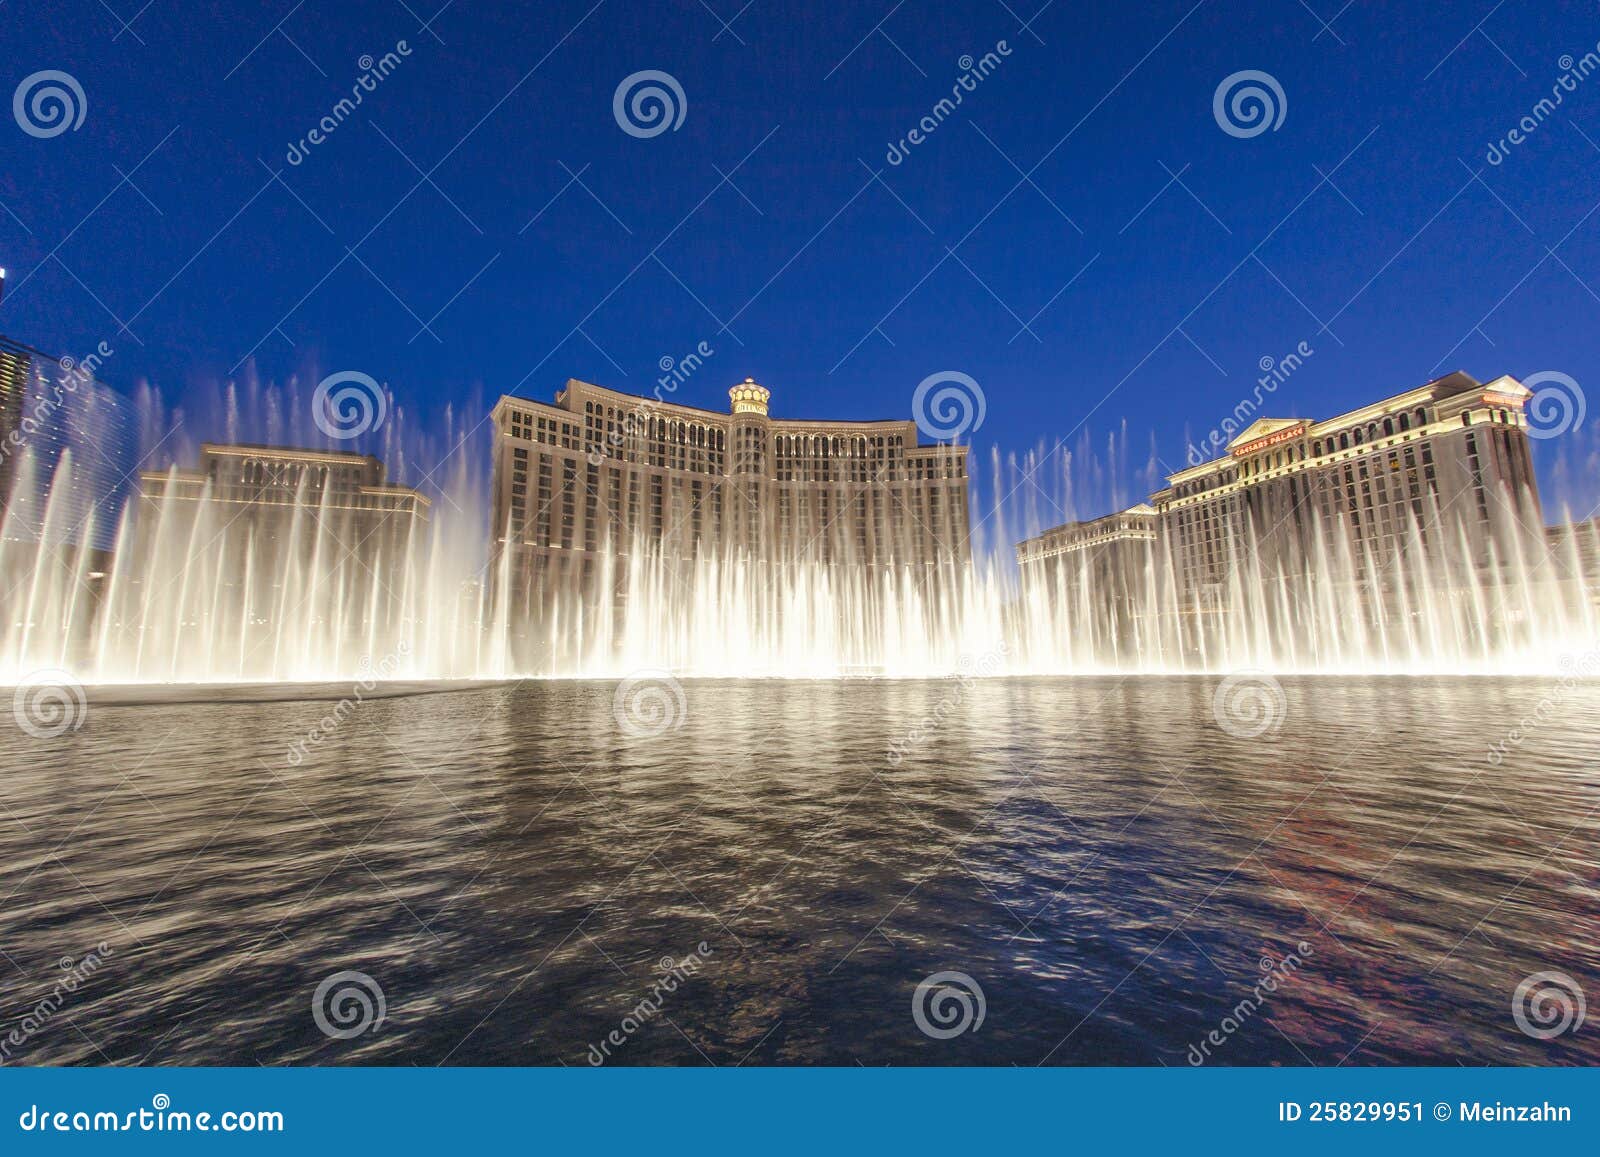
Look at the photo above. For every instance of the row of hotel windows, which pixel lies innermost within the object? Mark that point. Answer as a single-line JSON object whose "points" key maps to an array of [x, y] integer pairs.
{"points": [[831, 517], [604, 423], [921, 468], [282, 502], [287, 475], [1359, 494], [1381, 501], [1089, 534], [1319, 447], [335, 500], [630, 436], [700, 447]]}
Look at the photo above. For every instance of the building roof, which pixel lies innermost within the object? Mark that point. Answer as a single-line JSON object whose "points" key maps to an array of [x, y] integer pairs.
{"points": [[636, 401], [1449, 386], [298, 453], [1263, 428]]}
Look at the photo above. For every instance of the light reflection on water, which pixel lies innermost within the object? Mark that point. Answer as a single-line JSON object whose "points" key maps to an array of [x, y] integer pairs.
{"points": [[1106, 862]]}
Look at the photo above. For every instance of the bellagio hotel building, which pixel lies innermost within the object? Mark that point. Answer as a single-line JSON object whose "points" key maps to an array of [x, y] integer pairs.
{"points": [[602, 473]]}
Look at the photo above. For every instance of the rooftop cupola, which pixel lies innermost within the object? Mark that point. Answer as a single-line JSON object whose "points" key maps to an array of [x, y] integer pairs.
{"points": [[749, 398]]}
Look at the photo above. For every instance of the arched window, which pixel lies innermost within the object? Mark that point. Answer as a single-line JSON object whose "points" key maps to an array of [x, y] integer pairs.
{"points": [[1388, 427], [1405, 422]]}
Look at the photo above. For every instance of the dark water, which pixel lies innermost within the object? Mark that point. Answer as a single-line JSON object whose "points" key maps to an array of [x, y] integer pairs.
{"points": [[1109, 866]]}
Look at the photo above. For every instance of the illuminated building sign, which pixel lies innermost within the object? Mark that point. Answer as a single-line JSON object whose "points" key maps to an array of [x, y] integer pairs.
{"points": [[1272, 439]]}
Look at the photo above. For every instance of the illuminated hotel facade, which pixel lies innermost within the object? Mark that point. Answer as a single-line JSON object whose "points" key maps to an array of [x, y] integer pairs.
{"points": [[605, 474], [1298, 508]]}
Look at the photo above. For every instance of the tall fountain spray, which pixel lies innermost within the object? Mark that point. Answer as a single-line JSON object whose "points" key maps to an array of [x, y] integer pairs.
{"points": [[241, 572]]}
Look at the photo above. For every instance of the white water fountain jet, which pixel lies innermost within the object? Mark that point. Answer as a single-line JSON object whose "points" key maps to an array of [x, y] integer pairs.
{"points": [[196, 585], [188, 593]]}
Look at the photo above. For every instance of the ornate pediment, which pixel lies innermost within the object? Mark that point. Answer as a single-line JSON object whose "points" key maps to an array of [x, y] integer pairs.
{"points": [[1264, 432]]}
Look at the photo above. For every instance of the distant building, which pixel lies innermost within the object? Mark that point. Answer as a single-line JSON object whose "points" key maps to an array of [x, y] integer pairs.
{"points": [[52, 411], [1103, 568], [266, 488], [16, 371], [1575, 551], [1433, 484], [1108, 539], [308, 549]]}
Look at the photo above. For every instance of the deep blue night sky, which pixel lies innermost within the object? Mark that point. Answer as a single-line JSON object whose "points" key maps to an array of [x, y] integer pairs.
{"points": [[839, 291]]}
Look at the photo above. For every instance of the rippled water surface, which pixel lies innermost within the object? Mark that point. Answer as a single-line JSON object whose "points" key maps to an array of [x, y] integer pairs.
{"points": [[1109, 866]]}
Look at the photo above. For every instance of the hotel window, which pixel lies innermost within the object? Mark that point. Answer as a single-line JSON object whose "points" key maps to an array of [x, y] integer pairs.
{"points": [[591, 498], [569, 487], [542, 525], [1477, 478]]}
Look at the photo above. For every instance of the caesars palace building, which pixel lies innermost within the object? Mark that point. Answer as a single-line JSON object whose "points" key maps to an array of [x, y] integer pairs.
{"points": [[604, 474], [1446, 465]]}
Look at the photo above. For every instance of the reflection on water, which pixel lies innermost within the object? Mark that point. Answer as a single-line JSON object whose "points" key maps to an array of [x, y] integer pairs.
{"points": [[510, 866]]}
